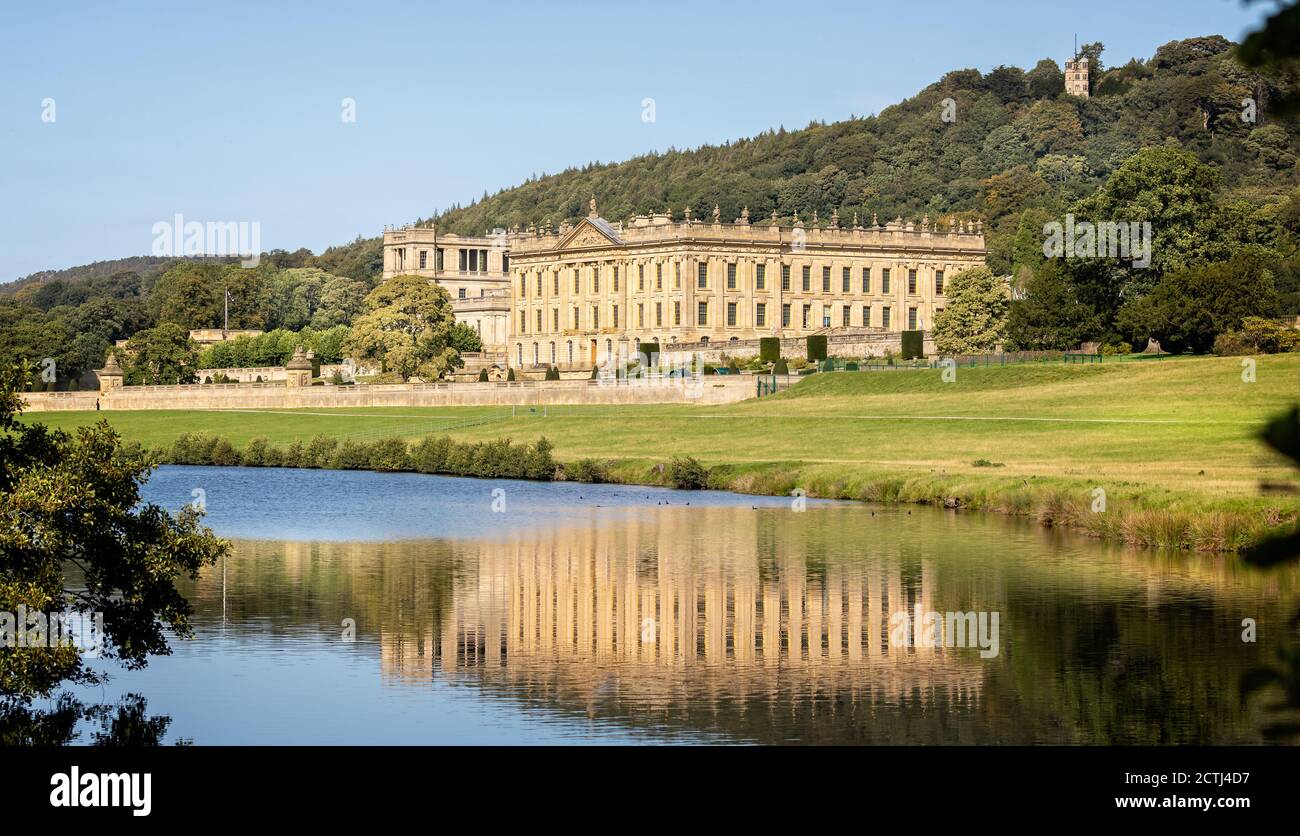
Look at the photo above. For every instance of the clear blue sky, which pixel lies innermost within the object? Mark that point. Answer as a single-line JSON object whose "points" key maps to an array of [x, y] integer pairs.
{"points": [[230, 111]]}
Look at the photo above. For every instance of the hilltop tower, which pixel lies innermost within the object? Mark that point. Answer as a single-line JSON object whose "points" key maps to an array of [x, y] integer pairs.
{"points": [[1076, 76]]}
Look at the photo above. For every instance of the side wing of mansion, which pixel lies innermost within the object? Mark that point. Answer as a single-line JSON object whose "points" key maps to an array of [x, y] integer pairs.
{"points": [[596, 290]]}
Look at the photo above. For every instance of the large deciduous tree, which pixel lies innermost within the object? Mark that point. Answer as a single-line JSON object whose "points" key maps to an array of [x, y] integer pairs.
{"points": [[407, 328], [164, 355], [1191, 307], [74, 534], [975, 319]]}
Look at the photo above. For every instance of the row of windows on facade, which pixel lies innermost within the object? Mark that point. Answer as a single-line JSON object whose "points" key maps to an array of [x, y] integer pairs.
{"points": [[760, 280], [702, 317], [468, 260], [912, 321]]}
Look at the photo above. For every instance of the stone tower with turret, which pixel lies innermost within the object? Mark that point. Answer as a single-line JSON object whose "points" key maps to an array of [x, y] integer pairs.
{"points": [[1076, 76]]}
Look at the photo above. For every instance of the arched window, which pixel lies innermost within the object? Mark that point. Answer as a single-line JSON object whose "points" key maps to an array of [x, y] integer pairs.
{"points": [[536, 357], [520, 346], [552, 354], [570, 352]]}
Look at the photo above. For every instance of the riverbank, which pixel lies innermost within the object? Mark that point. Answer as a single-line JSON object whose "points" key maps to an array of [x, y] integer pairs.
{"points": [[1166, 451], [1121, 514]]}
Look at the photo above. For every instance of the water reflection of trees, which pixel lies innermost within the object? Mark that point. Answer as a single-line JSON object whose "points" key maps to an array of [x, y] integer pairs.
{"points": [[68, 721], [771, 626]]}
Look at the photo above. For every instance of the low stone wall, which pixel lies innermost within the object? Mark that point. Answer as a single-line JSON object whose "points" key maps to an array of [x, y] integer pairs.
{"points": [[854, 342], [707, 390]]}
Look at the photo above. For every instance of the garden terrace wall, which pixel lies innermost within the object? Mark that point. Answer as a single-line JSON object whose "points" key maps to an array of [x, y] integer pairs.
{"points": [[713, 390]]}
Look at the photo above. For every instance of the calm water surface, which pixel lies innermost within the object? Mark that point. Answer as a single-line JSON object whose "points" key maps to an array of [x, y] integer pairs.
{"points": [[588, 613]]}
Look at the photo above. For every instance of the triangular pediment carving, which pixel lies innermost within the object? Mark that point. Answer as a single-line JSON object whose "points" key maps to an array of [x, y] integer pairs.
{"points": [[588, 233]]}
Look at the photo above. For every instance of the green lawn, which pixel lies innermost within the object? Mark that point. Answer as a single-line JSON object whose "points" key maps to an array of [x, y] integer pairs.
{"points": [[1178, 433]]}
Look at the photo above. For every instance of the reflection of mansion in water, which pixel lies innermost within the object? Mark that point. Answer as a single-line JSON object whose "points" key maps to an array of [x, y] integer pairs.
{"points": [[576, 613]]}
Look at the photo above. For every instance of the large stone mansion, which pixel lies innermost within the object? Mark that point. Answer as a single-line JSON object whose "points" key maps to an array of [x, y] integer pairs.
{"points": [[593, 291]]}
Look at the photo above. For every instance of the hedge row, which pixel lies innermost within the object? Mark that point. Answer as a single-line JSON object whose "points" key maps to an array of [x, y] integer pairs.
{"points": [[498, 459]]}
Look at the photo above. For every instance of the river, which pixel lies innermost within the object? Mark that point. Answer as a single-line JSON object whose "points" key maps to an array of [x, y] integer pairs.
{"points": [[376, 608]]}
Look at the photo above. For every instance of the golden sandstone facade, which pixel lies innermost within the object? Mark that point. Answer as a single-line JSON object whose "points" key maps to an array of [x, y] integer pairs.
{"points": [[594, 291], [474, 270]]}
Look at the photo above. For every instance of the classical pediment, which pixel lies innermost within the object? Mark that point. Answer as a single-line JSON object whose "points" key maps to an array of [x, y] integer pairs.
{"points": [[590, 232]]}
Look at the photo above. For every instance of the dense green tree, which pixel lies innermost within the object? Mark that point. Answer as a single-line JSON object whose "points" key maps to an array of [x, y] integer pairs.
{"points": [[406, 328], [342, 300], [464, 338], [75, 534], [189, 295], [974, 321], [1049, 315], [1191, 307], [162, 355], [1046, 80]]}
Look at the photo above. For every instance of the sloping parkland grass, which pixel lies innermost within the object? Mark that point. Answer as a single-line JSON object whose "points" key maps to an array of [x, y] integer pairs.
{"points": [[1171, 446]]}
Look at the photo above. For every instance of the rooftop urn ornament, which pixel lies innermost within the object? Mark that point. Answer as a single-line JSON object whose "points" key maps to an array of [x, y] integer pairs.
{"points": [[298, 369], [688, 214], [299, 360], [795, 222], [110, 377], [744, 215], [874, 222], [835, 219], [925, 222], [855, 221], [814, 220], [775, 223], [717, 214], [592, 204]]}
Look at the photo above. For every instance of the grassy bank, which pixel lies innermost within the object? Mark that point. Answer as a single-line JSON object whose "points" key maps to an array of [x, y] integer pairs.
{"points": [[1173, 444]]}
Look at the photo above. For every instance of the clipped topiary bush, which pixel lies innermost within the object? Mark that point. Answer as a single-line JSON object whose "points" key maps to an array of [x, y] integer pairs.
{"points": [[482, 376], [816, 347], [552, 373], [913, 345], [769, 349], [510, 375], [781, 366]]}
